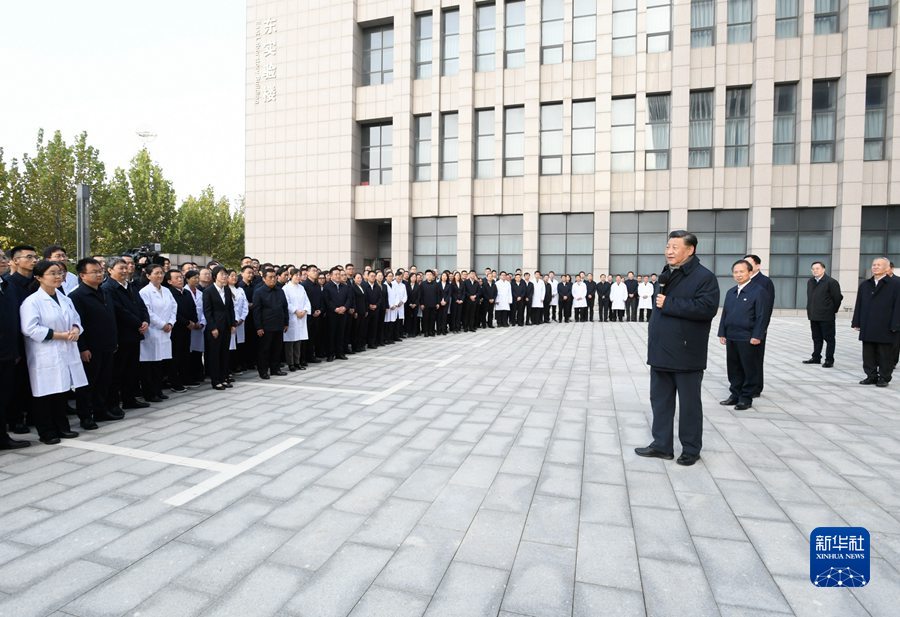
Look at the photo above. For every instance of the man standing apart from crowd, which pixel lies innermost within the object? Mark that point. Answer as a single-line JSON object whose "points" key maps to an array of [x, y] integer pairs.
{"points": [[678, 337], [823, 299], [758, 278], [877, 319]]}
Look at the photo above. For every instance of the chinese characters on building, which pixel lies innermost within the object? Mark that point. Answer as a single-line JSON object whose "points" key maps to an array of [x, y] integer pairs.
{"points": [[266, 55]]}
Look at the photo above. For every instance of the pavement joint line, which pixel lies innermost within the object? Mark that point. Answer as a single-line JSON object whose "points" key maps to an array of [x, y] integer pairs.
{"points": [[378, 396], [260, 384], [156, 457], [447, 361]]}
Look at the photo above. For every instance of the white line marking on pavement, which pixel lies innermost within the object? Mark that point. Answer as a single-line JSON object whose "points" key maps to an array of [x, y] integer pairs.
{"points": [[447, 361], [232, 472], [302, 387], [156, 457], [386, 393]]}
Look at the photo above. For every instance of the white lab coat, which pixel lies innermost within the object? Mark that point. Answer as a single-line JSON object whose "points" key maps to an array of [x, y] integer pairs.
{"points": [[401, 298], [53, 366], [197, 343], [540, 290], [70, 283], [390, 313], [579, 295], [504, 296], [645, 291], [161, 305], [554, 298], [618, 294], [297, 300], [241, 310]]}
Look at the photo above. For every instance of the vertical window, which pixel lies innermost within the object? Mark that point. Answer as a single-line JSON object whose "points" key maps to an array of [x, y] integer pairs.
{"points": [[622, 134], [584, 120], [378, 55], [657, 132], [485, 37], [434, 242], [624, 29], [737, 127], [740, 21], [484, 143], [700, 138], [786, 19], [703, 23], [450, 34], [551, 139], [515, 34], [785, 126], [659, 25], [498, 242], [376, 156], [423, 46], [551, 31], [876, 111], [879, 236], [722, 239], [584, 30], [798, 237], [422, 152], [879, 14], [514, 141], [637, 241], [566, 242], [449, 146], [827, 16], [824, 108]]}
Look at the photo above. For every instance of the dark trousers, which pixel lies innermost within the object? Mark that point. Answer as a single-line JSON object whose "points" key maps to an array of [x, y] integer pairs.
{"points": [[49, 413], [590, 309], [664, 385], [7, 379], [643, 313], [616, 315], [321, 340], [488, 319], [548, 310], [179, 365], [631, 308], [581, 314], [823, 332], [519, 317], [443, 315], [151, 378], [603, 310], [455, 316], [358, 330], [217, 355], [470, 309], [337, 325], [125, 373], [268, 351], [428, 317], [21, 398], [197, 370], [412, 320], [92, 398], [760, 366], [348, 332], [503, 319], [537, 314], [878, 360], [742, 364], [372, 328], [312, 329], [248, 349]]}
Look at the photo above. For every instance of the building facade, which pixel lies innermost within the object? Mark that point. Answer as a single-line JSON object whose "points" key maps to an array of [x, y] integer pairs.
{"points": [[572, 135]]}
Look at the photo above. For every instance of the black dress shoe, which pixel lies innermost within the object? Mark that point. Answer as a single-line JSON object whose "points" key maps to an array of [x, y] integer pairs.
{"points": [[729, 401], [881, 383], [88, 424], [153, 399], [220, 386], [653, 453], [135, 405], [264, 376], [301, 367], [315, 361], [279, 373], [50, 441], [68, 434], [342, 357], [827, 364], [742, 406], [330, 359], [812, 361], [688, 459], [20, 429], [228, 384], [109, 416], [13, 444], [162, 396], [868, 381], [292, 368]]}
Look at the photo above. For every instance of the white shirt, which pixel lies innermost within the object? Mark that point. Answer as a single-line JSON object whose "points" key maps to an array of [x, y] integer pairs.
{"points": [[221, 291]]}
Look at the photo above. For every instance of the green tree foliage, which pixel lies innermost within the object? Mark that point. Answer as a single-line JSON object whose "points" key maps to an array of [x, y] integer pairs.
{"points": [[205, 225]]}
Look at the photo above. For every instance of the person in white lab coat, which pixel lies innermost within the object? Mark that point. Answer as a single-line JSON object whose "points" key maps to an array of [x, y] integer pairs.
{"points": [[297, 333], [504, 300], [579, 299], [645, 298], [618, 296], [156, 348], [241, 310], [51, 327], [551, 312], [537, 300], [402, 297], [198, 374]]}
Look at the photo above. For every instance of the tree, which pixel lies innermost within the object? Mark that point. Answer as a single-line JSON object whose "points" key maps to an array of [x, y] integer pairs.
{"points": [[204, 225]]}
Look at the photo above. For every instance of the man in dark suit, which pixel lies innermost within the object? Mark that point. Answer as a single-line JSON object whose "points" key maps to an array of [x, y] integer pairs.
{"points": [[823, 300], [186, 321], [758, 278], [373, 301], [529, 294], [315, 320], [519, 293], [603, 288], [218, 309], [248, 283], [431, 302], [338, 301], [678, 338], [471, 293], [10, 355], [740, 330], [360, 314], [271, 316], [413, 301], [23, 257], [488, 299], [591, 285], [631, 304], [877, 319]]}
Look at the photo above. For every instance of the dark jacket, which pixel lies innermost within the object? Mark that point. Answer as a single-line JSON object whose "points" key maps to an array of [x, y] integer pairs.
{"points": [[21, 286], [877, 311], [414, 296], [823, 299], [744, 314], [471, 288], [360, 306], [631, 285], [373, 295], [270, 309], [529, 292], [219, 315], [564, 291], [767, 284], [129, 308], [603, 289], [98, 318], [314, 293], [678, 334], [334, 296], [186, 312], [519, 290], [10, 333], [431, 294], [457, 291], [489, 291], [591, 290], [446, 292]]}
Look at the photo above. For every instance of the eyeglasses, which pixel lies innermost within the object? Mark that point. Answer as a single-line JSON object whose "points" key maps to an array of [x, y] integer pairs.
{"points": [[94, 272], [28, 257], [54, 273]]}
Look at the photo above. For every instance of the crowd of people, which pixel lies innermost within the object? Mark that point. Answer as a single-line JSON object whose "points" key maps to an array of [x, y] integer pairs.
{"points": [[120, 333]]}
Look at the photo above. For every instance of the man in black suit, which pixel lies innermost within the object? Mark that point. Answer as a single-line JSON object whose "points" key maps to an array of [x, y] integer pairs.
{"points": [[315, 320], [489, 299], [218, 309], [360, 314], [373, 301], [271, 316], [132, 321], [740, 330], [631, 304], [529, 294], [877, 319], [591, 285], [823, 300], [758, 278], [431, 302], [471, 293], [519, 293], [338, 301], [186, 321], [24, 258], [10, 355], [248, 283], [603, 288], [413, 301]]}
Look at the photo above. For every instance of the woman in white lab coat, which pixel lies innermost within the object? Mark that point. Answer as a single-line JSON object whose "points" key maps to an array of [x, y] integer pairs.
{"points": [[579, 299], [504, 300], [51, 327], [192, 278], [241, 310], [618, 295], [298, 308], [390, 311], [156, 348], [645, 298]]}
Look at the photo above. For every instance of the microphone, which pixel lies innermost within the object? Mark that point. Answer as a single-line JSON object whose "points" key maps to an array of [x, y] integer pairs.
{"points": [[662, 280]]}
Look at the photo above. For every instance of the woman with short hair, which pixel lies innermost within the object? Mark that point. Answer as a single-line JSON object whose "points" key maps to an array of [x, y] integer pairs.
{"points": [[156, 348]]}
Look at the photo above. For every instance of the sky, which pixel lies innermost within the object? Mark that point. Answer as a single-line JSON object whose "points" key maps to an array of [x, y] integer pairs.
{"points": [[114, 67]]}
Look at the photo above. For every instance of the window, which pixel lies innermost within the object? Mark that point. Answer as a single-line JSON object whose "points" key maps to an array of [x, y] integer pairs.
{"points": [[786, 19], [551, 139], [737, 127], [824, 108], [799, 237], [703, 23], [423, 46], [624, 27], [584, 119], [637, 242], [514, 141], [449, 146], [700, 138], [434, 242], [551, 31], [566, 243], [485, 37], [498, 242], [622, 134], [450, 34], [880, 236], [740, 21], [657, 132], [827, 16], [376, 156], [584, 30], [722, 240], [879, 14], [422, 151], [515, 34], [484, 143], [378, 55], [659, 25], [785, 124], [876, 110]]}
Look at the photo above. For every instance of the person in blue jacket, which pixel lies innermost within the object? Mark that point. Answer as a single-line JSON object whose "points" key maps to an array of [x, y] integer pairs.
{"points": [[678, 336], [741, 328]]}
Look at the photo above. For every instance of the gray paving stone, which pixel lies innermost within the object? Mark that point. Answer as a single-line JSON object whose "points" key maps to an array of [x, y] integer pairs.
{"points": [[603, 468], [524, 460], [304, 507], [365, 497], [55, 527], [662, 534], [709, 516], [675, 584], [391, 523], [349, 473], [292, 481], [380, 601], [468, 590], [425, 483], [650, 489], [809, 601], [55, 590], [260, 594], [224, 526], [552, 520], [780, 545], [493, 539], [510, 493], [607, 556], [605, 503], [560, 481], [23, 517], [477, 471], [421, 561], [455, 507], [593, 600], [548, 568], [174, 601], [136, 544], [749, 499], [313, 545]]}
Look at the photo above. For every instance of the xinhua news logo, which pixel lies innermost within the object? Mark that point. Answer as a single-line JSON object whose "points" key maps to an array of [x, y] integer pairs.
{"points": [[839, 557]]}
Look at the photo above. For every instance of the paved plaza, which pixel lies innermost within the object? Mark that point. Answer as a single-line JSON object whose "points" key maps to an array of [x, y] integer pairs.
{"points": [[474, 475]]}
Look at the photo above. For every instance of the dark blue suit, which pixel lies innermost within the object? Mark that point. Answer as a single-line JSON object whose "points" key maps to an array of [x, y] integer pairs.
{"points": [[335, 296], [768, 286], [744, 317], [10, 350]]}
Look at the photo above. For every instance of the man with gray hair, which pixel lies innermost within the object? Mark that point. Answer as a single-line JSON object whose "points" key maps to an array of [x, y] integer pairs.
{"points": [[877, 319]]}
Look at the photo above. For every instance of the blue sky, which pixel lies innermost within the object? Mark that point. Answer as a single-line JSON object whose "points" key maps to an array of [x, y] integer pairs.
{"points": [[114, 67]]}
